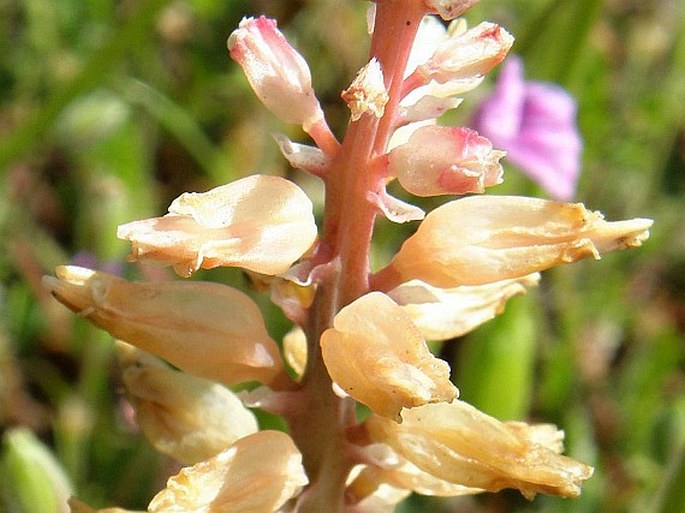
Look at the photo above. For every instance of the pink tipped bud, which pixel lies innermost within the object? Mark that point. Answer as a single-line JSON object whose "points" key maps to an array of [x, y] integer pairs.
{"points": [[468, 55], [276, 71], [445, 160]]}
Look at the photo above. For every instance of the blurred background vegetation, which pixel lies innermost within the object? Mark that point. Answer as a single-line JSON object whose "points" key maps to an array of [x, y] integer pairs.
{"points": [[109, 109]]}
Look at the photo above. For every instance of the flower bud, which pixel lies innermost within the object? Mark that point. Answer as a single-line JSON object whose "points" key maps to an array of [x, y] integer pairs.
{"points": [[376, 355], [203, 328], [443, 314], [484, 239], [278, 74], [261, 223], [445, 160], [468, 55], [183, 416], [257, 474], [459, 444]]}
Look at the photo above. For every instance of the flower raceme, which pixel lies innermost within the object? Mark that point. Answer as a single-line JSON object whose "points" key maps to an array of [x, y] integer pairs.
{"points": [[356, 335]]}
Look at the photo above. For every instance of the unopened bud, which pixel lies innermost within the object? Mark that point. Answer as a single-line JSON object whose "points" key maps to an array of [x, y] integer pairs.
{"points": [[278, 74], [445, 160]]}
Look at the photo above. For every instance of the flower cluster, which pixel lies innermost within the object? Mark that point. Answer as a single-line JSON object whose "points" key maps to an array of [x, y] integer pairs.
{"points": [[359, 336]]}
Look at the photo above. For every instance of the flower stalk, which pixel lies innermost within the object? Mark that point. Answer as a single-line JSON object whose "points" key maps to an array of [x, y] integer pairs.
{"points": [[359, 336]]}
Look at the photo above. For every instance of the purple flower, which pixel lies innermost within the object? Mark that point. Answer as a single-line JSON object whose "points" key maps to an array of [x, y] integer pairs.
{"points": [[535, 122]]}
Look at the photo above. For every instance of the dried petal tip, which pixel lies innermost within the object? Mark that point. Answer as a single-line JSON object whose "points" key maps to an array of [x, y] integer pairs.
{"points": [[207, 329], [367, 93], [278, 74], [376, 355], [450, 9], [257, 474]]}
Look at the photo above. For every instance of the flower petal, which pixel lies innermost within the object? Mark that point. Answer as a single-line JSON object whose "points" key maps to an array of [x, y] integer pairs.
{"points": [[376, 355], [278, 74], [459, 444], [206, 329], [257, 474], [262, 223], [183, 416], [442, 314], [501, 237]]}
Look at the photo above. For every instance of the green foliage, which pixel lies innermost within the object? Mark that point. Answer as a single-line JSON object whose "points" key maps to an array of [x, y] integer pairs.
{"points": [[108, 110]]}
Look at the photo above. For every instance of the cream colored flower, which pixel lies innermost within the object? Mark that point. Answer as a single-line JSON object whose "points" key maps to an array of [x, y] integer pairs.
{"points": [[442, 314], [257, 474], [459, 444], [484, 239], [295, 350], [183, 416], [376, 355], [207, 329], [261, 223]]}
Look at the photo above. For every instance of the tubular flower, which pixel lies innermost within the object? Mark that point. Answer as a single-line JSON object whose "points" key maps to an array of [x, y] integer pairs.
{"points": [[536, 123], [257, 474], [443, 314], [278, 74], [457, 443], [183, 416], [445, 160], [376, 355], [502, 237], [466, 56], [261, 223], [206, 329]]}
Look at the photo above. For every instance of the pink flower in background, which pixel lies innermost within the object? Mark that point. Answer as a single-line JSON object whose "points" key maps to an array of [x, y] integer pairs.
{"points": [[535, 122]]}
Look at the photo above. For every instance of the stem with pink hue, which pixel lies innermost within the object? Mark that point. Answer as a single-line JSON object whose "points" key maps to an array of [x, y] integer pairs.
{"points": [[319, 429]]}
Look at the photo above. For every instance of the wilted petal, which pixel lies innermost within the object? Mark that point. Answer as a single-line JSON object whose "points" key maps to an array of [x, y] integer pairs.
{"points": [[442, 314], [367, 93], [207, 329], [258, 474], [483, 239], [183, 416], [459, 444], [466, 56], [278, 74], [445, 160], [407, 476], [262, 223], [376, 355]]}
